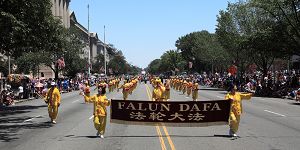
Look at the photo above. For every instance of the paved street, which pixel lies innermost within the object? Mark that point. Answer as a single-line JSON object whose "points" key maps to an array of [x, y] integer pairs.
{"points": [[267, 124]]}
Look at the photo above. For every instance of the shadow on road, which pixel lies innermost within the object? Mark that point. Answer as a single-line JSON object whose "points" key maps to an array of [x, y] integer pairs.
{"points": [[11, 110], [9, 132], [11, 122], [150, 136], [295, 104]]}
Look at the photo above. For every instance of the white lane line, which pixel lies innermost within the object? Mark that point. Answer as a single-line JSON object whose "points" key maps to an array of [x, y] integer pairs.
{"points": [[275, 113], [91, 117], [31, 118], [75, 101]]}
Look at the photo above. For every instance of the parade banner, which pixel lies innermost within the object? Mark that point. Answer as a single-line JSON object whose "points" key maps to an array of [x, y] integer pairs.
{"points": [[183, 113]]}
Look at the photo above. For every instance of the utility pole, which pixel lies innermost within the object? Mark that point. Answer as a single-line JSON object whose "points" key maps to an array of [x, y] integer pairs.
{"points": [[89, 43], [104, 53]]}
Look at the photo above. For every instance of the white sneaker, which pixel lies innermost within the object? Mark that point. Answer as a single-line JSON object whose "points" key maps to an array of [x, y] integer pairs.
{"points": [[54, 122], [234, 135], [101, 136]]}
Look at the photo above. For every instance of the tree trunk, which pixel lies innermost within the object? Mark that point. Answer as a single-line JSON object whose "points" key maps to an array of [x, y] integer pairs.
{"points": [[56, 72]]}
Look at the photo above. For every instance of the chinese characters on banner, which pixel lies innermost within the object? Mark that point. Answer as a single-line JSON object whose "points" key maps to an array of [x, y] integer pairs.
{"points": [[187, 113]]}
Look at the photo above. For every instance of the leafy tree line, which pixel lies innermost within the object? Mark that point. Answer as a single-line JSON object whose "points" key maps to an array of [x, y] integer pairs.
{"points": [[247, 32], [32, 36]]}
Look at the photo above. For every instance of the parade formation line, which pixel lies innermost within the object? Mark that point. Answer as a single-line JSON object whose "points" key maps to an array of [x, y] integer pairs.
{"points": [[163, 146]]}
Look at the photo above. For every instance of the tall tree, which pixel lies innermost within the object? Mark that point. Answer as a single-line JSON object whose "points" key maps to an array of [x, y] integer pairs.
{"points": [[203, 49], [27, 26]]}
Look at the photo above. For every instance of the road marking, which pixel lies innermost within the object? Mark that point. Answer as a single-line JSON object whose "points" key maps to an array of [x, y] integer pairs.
{"points": [[91, 117], [31, 118], [275, 113], [220, 97], [164, 128], [161, 140], [169, 138], [75, 101]]}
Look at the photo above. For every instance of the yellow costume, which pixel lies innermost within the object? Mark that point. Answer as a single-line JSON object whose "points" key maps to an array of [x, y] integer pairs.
{"points": [[189, 88], [236, 109], [125, 91], [100, 112], [167, 91], [53, 100], [184, 87], [87, 93], [157, 94], [195, 92]]}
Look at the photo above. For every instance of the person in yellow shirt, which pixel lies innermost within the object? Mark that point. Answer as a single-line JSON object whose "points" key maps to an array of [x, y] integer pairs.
{"points": [[189, 87], [100, 113], [159, 89], [184, 86], [87, 92], [167, 91], [195, 91], [53, 100], [125, 91], [110, 86], [236, 109]]}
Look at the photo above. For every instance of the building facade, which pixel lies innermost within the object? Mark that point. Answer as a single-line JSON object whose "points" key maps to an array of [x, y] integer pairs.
{"points": [[60, 9]]}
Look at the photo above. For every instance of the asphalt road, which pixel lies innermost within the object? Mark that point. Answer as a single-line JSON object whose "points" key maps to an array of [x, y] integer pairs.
{"points": [[266, 124]]}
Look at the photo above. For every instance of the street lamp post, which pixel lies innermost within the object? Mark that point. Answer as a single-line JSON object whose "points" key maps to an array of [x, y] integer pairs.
{"points": [[104, 53], [89, 48]]}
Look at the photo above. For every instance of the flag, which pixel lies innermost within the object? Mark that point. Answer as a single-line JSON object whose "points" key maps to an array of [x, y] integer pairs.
{"points": [[61, 63], [190, 65]]}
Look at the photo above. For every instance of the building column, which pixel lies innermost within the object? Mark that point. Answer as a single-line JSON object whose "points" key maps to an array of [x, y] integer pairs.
{"points": [[53, 7], [61, 10], [56, 8], [64, 13], [68, 15]]}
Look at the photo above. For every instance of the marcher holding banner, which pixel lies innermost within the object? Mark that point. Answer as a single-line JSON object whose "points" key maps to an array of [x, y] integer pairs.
{"points": [[53, 100], [100, 114], [236, 109], [159, 89]]}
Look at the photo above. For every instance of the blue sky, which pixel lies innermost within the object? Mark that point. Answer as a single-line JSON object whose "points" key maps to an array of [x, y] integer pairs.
{"points": [[145, 29]]}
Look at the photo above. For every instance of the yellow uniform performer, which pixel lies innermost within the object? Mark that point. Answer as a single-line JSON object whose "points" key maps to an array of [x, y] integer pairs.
{"points": [[110, 86], [157, 94], [53, 100], [236, 109], [130, 88], [181, 85], [195, 92], [189, 88], [167, 91], [177, 84], [125, 91], [100, 113], [184, 87], [87, 93]]}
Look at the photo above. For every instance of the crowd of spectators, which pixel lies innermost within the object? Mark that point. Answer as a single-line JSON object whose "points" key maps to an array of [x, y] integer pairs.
{"points": [[272, 84]]}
